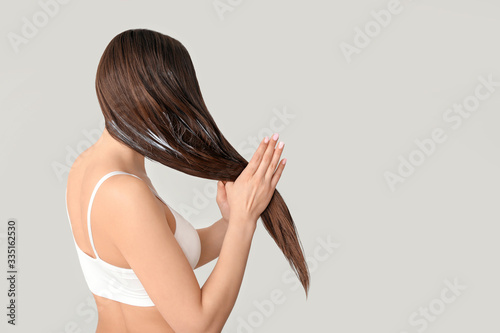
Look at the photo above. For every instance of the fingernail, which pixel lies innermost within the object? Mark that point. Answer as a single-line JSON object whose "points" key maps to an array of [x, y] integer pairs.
{"points": [[281, 144], [266, 139], [284, 161], [275, 136]]}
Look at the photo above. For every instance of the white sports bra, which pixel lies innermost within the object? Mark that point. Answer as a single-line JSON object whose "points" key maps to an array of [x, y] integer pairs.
{"points": [[121, 284]]}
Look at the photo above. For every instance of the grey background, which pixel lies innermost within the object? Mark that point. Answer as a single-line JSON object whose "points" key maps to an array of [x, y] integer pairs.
{"points": [[349, 123]]}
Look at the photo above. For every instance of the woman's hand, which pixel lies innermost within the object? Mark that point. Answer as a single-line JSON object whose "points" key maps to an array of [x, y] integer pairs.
{"points": [[249, 195]]}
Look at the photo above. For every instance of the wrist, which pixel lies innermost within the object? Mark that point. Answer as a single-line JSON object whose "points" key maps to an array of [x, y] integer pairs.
{"points": [[242, 231], [243, 223]]}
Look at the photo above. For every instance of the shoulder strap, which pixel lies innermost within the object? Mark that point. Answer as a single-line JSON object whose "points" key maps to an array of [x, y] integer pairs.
{"points": [[112, 173]]}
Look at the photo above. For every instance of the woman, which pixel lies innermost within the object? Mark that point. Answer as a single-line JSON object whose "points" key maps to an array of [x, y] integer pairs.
{"points": [[137, 253]]}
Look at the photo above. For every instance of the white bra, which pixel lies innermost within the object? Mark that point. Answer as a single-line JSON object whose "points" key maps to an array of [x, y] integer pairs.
{"points": [[121, 284]]}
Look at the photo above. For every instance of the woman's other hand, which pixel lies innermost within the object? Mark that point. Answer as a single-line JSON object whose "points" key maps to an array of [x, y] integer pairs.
{"points": [[249, 195]]}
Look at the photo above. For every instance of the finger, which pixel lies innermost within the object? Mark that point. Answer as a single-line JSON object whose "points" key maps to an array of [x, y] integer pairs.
{"points": [[275, 160], [266, 158], [220, 187], [228, 186], [257, 157], [221, 191], [277, 174]]}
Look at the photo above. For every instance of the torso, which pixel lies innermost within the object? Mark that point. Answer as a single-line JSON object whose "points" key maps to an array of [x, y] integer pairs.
{"points": [[113, 316]]}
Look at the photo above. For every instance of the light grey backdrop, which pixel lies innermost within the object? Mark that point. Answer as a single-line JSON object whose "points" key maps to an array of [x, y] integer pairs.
{"points": [[389, 113]]}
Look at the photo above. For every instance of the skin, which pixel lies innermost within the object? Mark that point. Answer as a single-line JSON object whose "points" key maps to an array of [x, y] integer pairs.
{"points": [[132, 228]]}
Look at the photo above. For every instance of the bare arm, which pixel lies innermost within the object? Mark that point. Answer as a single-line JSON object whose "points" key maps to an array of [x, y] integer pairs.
{"points": [[211, 239], [223, 285], [144, 238]]}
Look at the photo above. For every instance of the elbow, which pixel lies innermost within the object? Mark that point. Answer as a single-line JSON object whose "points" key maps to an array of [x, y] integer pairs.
{"points": [[208, 326], [202, 326], [202, 320]]}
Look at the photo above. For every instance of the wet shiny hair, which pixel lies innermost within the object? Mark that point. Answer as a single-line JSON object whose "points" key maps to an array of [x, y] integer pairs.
{"points": [[149, 95]]}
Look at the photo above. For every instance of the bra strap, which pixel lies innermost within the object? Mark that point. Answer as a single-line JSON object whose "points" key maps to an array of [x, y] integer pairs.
{"points": [[112, 173]]}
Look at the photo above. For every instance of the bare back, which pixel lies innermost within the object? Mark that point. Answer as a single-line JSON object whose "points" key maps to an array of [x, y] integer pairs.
{"points": [[88, 168]]}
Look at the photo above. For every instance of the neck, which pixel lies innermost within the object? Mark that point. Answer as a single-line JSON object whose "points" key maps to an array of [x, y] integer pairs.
{"points": [[116, 150]]}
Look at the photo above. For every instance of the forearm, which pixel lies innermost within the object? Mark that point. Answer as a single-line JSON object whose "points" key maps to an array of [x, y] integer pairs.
{"points": [[220, 291], [211, 239]]}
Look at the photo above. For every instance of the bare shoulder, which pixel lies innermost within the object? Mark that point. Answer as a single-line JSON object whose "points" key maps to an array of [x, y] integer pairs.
{"points": [[124, 186], [131, 211], [125, 195]]}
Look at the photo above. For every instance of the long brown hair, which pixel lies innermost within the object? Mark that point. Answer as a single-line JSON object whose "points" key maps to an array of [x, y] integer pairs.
{"points": [[149, 95]]}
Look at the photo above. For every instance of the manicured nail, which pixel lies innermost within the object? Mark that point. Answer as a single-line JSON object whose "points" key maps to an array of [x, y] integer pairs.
{"points": [[266, 139], [275, 136], [281, 144], [284, 161]]}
